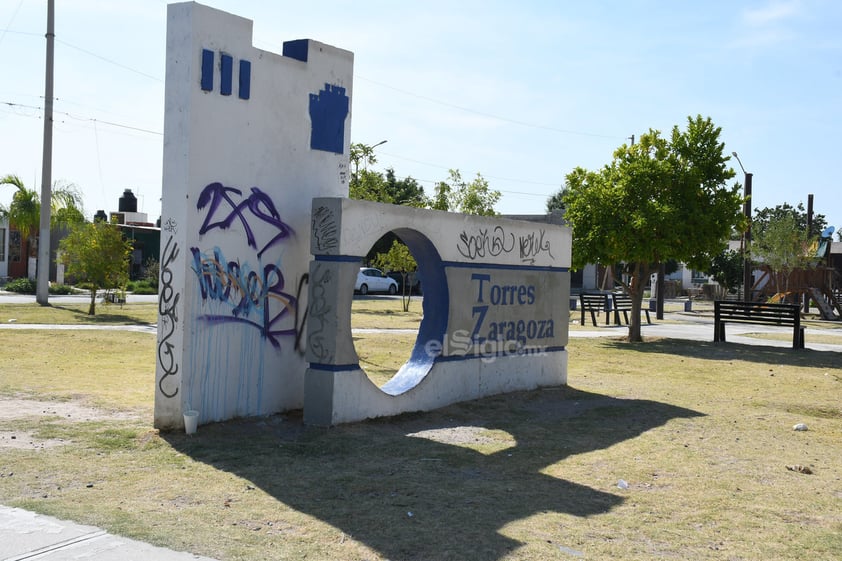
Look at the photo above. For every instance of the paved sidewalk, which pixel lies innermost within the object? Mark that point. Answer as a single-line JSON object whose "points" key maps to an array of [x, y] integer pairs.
{"points": [[25, 535]]}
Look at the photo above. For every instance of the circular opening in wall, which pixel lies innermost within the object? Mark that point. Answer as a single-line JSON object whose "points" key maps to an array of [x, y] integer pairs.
{"points": [[397, 310]]}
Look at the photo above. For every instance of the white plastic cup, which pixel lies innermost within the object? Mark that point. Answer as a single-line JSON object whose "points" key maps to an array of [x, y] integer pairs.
{"points": [[191, 421]]}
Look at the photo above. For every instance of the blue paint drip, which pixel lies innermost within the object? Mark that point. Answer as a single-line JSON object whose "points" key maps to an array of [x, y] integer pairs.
{"points": [[328, 111], [244, 91], [227, 69], [207, 70], [297, 49]]}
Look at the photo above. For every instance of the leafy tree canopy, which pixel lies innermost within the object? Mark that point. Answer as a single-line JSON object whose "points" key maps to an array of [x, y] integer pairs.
{"points": [[398, 259], [556, 200], [457, 195], [727, 269], [763, 217], [659, 199]]}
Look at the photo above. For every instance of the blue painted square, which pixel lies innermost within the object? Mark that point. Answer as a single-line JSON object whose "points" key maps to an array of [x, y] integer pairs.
{"points": [[297, 49]]}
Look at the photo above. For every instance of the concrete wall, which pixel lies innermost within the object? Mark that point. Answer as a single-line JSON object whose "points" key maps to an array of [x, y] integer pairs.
{"points": [[250, 137], [496, 298]]}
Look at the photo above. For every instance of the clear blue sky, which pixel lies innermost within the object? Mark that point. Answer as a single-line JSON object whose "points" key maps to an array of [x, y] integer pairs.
{"points": [[519, 92]]}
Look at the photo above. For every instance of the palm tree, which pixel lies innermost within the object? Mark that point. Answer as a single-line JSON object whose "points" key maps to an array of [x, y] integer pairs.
{"points": [[24, 212]]}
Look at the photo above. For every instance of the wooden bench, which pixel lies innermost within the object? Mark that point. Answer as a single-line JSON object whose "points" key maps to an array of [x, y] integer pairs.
{"points": [[595, 303], [757, 313], [622, 303]]}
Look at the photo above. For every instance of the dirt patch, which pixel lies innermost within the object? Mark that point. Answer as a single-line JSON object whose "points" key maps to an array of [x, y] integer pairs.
{"points": [[12, 408], [19, 408], [24, 440]]}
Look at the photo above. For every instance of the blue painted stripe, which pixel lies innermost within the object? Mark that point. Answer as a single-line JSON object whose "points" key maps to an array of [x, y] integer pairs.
{"points": [[244, 91], [479, 356], [339, 258], [502, 266], [334, 367], [207, 70], [297, 49], [227, 82]]}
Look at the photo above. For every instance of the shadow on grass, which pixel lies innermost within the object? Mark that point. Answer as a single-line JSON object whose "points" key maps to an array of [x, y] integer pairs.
{"points": [[105, 313], [732, 351], [429, 495]]}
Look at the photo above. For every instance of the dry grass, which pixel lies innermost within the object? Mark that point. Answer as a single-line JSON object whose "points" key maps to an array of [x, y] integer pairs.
{"points": [[385, 313], [702, 433], [76, 314]]}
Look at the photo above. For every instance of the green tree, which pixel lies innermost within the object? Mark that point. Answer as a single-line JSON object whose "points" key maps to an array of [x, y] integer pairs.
{"points": [[782, 245], [763, 217], [96, 254], [399, 259], [657, 200], [368, 186], [406, 191], [24, 212], [457, 195], [727, 269], [556, 200]]}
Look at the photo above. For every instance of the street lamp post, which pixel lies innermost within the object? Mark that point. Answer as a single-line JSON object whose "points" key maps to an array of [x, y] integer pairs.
{"points": [[747, 235]]}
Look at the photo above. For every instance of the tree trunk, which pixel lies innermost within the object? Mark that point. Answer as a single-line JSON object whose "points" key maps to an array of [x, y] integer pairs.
{"points": [[92, 308], [636, 288]]}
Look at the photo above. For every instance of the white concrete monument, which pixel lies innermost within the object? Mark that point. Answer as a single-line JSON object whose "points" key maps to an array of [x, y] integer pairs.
{"points": [[250, 137], [496, 309], [256, 153]]}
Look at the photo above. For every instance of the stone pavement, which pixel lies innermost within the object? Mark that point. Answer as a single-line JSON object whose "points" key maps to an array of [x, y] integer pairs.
{"points": [[25, 535]]}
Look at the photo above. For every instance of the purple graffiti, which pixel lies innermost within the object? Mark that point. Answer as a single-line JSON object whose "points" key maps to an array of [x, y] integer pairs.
{"points": [[257, 206], [256, 298]]}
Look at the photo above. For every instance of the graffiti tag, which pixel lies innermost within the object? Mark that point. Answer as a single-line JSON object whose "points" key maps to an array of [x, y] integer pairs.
{"points": [[168, 312], [255, 297], [485, 243], [220, 199], [532, 245]]}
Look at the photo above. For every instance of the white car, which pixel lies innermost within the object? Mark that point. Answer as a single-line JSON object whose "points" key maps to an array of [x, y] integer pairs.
{"points": [[373, 280]]}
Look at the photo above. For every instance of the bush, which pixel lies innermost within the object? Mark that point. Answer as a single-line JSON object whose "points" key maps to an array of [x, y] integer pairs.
{"points": [[60, 289], [141, 287], [22, 286], [151, 271]]}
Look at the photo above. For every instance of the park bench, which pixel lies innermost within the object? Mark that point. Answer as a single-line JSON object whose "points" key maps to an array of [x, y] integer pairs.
{"points": [[594, 303], [622, 303], [758, 313]]}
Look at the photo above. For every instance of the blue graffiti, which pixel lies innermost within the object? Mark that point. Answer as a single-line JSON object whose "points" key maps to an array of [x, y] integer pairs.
{"points": [[255, 298], [258, 205], [328, 110]]}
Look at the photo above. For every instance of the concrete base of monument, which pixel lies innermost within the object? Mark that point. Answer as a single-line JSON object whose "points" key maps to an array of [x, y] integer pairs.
{"points": [[334, 396]]}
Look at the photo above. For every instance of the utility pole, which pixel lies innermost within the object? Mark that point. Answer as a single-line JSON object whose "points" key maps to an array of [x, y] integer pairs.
{"points": [[43, 279], [747, 283], [806, 302]]}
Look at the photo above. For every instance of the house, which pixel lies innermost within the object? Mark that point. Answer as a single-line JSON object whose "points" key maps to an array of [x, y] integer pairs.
{"points": [[144, 235]]}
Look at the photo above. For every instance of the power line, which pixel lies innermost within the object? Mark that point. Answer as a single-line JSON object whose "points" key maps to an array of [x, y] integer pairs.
{"points": [[108, 60], [11, 21], [88, 119], [483, 114]]}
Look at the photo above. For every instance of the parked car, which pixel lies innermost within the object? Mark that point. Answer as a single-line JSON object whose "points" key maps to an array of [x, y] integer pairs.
{"points": [[413, 283], [373, 280]]}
